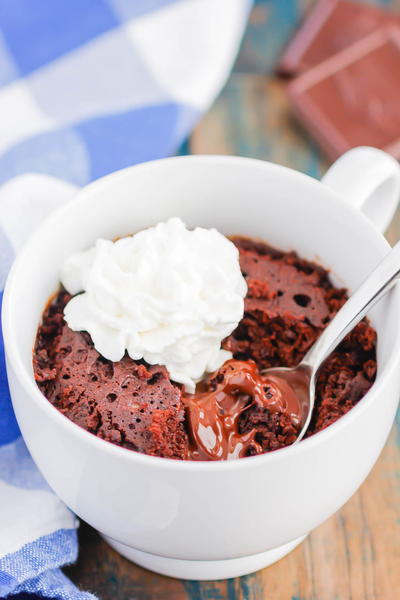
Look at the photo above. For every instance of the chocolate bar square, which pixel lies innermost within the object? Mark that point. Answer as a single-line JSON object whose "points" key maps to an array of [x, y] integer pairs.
{"points": [[331, 26], [353, 98]]}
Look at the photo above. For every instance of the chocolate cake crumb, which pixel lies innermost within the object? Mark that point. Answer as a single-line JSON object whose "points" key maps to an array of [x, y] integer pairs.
{"points": [[127, 403], [289, 303]]}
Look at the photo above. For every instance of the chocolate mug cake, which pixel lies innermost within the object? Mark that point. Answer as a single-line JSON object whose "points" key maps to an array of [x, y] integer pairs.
{"points": [[233, 411]]}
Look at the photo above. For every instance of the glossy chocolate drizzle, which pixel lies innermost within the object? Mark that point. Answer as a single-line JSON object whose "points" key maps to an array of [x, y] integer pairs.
{"points": [[213, 412]]}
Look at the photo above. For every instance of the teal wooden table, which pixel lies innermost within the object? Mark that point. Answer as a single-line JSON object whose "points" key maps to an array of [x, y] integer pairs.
{"points": [[356, 553]]}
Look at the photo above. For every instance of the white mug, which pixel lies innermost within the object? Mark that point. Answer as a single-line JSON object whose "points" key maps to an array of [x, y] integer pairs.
{"points": [[210, 520]]}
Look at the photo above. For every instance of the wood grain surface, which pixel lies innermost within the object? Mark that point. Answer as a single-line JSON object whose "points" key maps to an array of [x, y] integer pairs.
{"points": [[355, 555]]}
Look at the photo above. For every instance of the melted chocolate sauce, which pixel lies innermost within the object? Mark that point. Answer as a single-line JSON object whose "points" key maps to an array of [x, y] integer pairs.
{"points": [[213, 415]]}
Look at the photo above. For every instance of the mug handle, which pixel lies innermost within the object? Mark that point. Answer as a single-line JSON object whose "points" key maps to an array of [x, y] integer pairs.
{"points": [[368, 179]]}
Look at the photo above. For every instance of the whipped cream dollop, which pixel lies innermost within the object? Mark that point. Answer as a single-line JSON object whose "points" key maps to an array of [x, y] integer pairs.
{"points": [[168, 295]]}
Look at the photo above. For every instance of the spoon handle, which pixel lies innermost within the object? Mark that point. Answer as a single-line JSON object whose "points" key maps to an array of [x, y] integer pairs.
{"points": [[364, 298]]}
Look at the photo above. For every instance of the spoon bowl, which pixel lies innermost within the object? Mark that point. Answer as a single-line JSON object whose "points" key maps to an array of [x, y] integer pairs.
{"points": [[301, 381]]}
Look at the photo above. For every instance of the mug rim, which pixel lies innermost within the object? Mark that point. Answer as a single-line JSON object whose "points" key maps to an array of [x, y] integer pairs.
{"points": [[30, 387]]}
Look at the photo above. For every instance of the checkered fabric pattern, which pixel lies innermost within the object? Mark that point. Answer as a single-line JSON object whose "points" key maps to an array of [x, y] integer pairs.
{"points": [[86, 87]]}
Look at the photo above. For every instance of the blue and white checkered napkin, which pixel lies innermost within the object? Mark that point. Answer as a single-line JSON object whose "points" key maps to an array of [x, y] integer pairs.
{"points": [[86, 88]]}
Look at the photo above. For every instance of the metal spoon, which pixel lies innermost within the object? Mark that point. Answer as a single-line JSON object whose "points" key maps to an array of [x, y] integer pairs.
{"points": [[302, 378]]}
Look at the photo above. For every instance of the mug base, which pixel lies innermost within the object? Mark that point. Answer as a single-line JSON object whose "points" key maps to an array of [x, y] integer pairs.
{"points": [[204, 570]]}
